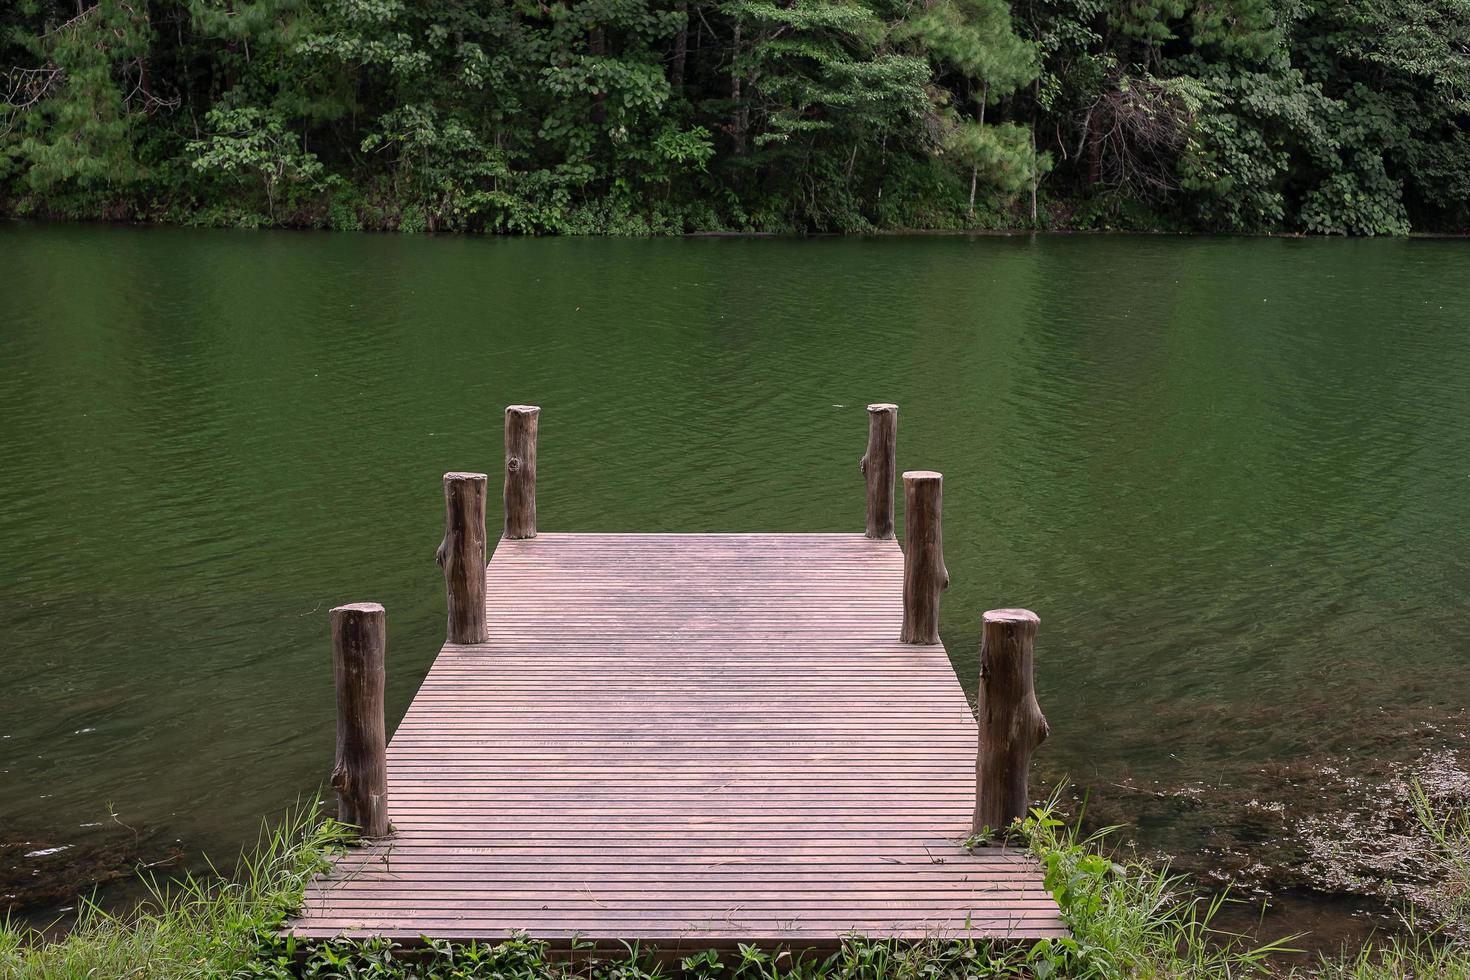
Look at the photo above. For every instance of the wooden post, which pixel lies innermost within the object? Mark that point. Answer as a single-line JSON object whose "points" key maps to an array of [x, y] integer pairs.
{"points": [[462, 556], [359, 641], [521, 422], [1011, 722], [924, 574], [879, 464]]}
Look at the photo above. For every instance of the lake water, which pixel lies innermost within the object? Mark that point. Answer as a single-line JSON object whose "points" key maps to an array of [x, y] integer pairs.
{"points": [[1231, 475]]}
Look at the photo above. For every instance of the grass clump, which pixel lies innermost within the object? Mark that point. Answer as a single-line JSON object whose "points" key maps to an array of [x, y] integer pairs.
{"points": [[1441, 950], [197, 927], [1127, 918], [1131, 919], [1448, 860]]}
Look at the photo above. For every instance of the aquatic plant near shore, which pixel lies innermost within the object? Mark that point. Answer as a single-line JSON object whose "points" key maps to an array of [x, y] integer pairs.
{"points": [[1404, 840], [190, 928], [1419, 955], [1129, 918], [1448, 860]]}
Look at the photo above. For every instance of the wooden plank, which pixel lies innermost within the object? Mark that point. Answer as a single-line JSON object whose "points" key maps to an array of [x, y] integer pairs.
{"points": [[685, 739]]}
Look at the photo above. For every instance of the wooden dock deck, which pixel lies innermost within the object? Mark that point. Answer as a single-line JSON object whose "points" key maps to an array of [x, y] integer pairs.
{"points": [[686, 739], [689, 740]]}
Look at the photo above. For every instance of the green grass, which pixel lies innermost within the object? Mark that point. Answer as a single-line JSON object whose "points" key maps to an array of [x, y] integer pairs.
{"points": [[1422, 951], [1417, 956], [213, 926], [1128, 920], [1448, 859]]}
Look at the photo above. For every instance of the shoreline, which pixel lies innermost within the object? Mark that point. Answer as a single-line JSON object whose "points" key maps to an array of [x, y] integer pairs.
{"points": [[1015, 231]]}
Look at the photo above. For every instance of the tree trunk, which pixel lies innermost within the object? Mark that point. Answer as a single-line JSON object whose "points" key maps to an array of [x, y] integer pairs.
{"points": [[1094, 159], [360, 776], [924, 574], [681, 50], [979, 119], [521, 425], [737, 112], [1011, 723], [879, 464], [597, 47], [1035, 169], [462, 556]]}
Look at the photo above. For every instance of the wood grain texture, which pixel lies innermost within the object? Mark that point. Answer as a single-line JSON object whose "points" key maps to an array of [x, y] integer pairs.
{"points": [[689, 740], [1011, 722], [522, 423], [359, 647], [880, 466], [924, 576], [462, 556]]}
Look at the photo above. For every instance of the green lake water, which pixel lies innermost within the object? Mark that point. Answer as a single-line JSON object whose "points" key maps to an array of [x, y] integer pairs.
{"points": [[1231, 475]]}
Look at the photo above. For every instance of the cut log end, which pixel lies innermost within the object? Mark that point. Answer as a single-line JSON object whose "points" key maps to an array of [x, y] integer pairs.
{"points": [[361, 608], [878, 408], [523, 410], [1011, 616]]}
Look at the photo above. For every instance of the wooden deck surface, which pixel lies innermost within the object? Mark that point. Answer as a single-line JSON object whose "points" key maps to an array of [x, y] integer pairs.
{"points": [[688, 739]]}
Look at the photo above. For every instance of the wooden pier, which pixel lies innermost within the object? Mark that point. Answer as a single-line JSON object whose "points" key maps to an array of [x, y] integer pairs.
{"points": [[686, 739]]}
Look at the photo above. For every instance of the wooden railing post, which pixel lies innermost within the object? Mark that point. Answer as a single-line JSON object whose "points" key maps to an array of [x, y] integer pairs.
{"points": [[1011, 722], [879, 464], [924, 574], [521, 422], [360, 776], [462, 556]]}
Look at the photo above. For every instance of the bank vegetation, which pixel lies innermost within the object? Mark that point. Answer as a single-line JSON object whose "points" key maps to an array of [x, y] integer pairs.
{"points": [[1128, 918], [670, 116]]}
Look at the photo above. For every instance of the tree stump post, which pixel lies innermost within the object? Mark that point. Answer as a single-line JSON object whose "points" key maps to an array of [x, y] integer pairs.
{"points": [[521, 423], [879, 464], [924, 574], [462, 556], [1011, 722], [360, 776]]}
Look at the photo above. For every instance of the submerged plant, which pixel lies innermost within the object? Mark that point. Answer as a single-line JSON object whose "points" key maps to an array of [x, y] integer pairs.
{"points": [[1449, 859], [1130, 919], [1418, 954], [199, 926]]}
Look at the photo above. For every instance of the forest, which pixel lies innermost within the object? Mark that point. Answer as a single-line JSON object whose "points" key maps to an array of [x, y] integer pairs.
{"points": [[1335, 117]]}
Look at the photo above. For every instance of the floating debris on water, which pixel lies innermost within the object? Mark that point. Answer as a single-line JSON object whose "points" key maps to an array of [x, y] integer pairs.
{"points": [[1344, 829]]}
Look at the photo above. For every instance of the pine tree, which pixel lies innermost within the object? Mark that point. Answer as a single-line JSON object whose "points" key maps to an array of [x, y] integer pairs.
{"points": [[79, 136], [975, 40]]}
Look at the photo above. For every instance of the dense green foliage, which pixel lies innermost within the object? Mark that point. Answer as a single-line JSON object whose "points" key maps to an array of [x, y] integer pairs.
{"points": [[635, 116]]}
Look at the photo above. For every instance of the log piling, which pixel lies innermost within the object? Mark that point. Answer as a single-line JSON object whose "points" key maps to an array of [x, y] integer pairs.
{"points": [[462, 556], [924, 574], [360, 775], [1011, 722], [879, 464], [521, 424]]}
